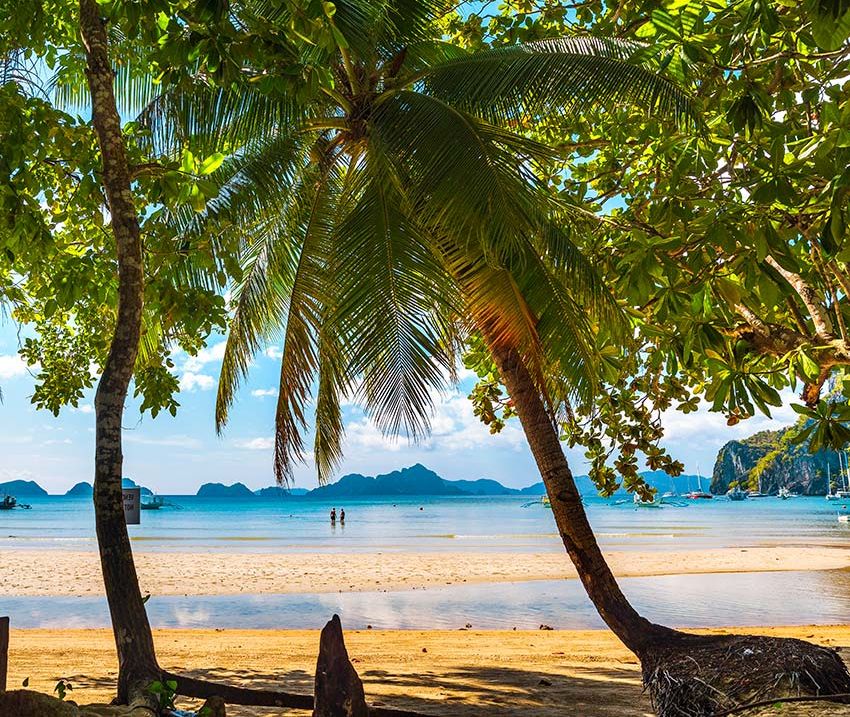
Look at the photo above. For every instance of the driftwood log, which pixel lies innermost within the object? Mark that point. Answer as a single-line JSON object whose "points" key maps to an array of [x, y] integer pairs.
{"points": [[339, 690]]}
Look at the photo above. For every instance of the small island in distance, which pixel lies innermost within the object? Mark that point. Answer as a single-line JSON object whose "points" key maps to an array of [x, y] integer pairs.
{"points": [[792, 468]]}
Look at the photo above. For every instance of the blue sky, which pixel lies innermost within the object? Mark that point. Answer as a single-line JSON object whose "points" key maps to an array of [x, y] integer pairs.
{"points": [[176, 455]]}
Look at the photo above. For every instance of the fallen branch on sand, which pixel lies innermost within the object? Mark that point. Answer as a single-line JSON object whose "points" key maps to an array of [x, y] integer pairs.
{"points": [[339, 690], [843, 697]]}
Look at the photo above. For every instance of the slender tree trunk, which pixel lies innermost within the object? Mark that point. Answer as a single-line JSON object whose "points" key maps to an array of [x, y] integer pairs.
{"points": [[133, 638], [636, 632]]}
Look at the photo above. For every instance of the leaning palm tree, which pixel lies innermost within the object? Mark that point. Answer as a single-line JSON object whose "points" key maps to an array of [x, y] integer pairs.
{"points": [[392, 215], [395, 213]]}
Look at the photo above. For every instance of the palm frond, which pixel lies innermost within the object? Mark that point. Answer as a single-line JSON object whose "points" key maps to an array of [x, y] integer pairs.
{"points": [[207, 120], [332, 384], [465, 174], [387, 288], [520, 82]]}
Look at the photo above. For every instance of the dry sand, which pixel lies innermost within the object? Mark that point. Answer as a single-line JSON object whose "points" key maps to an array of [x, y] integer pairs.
{"points": [[454, 674], [33, 572]]}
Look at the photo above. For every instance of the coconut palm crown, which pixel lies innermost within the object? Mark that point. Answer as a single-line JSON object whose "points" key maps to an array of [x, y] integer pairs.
{"points": [[389, 215]]}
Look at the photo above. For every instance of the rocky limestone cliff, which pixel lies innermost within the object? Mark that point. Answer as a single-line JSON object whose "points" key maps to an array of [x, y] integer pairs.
{"points": [[792, 467]]}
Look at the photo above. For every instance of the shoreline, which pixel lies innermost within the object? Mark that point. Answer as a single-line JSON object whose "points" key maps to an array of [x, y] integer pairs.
{"points": [[34, 573], [441, 672]]}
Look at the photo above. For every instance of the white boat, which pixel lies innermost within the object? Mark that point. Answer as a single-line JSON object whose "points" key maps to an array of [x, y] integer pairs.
{"points": [[736, 494], [699, 493], [842, 489], [785, 494], [642, 503]]}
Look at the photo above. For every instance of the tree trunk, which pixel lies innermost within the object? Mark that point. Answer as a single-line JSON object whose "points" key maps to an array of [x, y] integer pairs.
{"points": [[636, 632], [133, 638]]}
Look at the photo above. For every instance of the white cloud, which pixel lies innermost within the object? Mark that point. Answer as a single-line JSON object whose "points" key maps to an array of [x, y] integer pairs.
{"points": [[178, 441], [263, 392], [364, 434], [710, 427], [207, 355], [83, 408], [454, 427], [11, 365], [190, 381], [53, 442], [261, 443], [274, 352]]}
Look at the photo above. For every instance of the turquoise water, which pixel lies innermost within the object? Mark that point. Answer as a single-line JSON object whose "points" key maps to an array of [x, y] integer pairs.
{"points": [[503, 524], [444, 524]]}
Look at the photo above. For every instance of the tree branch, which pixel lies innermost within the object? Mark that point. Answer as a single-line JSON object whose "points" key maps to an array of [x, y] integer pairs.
{"points": [[810, 299], [203, 689]]}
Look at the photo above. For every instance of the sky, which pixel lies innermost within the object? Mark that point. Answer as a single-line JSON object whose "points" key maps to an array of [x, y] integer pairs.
{"points": [[176, 455]]}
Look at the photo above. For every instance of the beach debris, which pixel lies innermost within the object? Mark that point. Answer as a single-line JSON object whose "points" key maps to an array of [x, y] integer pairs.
{"points": [[469, 626], [544, 682], [339, 690], [545, 627], [424, 649]]}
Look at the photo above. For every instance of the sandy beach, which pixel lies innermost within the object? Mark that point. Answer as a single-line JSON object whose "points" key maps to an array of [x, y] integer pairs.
{"points": [[451, 673], [30, 572]]}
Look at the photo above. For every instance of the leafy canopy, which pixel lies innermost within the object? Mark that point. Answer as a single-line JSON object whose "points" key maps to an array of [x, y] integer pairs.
{"points": [[395, 209]]}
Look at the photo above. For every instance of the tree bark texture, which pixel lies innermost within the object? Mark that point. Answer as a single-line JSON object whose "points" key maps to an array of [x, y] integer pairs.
{"points": [[636, 632], [133, 638]]}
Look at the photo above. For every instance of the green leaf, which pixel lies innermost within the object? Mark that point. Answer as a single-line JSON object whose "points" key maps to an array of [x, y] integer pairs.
{"points": [[211, 163]]}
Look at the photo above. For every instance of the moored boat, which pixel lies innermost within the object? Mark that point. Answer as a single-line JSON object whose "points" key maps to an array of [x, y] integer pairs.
{"points": [[643, 503], [8, 502], [155, 502], [736, 494]]}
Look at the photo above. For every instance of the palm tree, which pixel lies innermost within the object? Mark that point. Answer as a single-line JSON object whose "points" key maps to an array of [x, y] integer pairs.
{"points": [[391, 215]]}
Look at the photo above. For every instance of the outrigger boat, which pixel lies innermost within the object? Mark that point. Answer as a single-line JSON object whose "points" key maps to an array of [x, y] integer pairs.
{"points": [[642, 503], [154, 503], [9, 502]]}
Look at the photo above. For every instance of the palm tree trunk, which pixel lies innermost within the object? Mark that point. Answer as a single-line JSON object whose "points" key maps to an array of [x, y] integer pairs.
{"points": [[636, 632], [133, 638]]}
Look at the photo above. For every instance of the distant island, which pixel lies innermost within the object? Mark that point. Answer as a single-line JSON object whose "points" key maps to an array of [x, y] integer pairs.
{"points": [[276, 491], [779, 464], [81, 490], [418, 480], [17, 488], [219, 490], [768, 461]]}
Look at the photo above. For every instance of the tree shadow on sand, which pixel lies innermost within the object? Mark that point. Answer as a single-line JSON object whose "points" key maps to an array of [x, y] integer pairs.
{"points": [[469, 691]]}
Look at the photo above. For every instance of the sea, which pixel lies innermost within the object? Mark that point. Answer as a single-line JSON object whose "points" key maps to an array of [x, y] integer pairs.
{"points": [[504, 524]]}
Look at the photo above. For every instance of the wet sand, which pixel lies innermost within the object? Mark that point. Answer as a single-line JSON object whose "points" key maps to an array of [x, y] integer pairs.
{"points": [[31, 572]]}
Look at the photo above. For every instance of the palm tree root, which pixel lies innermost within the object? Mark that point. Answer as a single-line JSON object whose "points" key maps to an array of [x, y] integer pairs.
{"points": [[704, 676]]}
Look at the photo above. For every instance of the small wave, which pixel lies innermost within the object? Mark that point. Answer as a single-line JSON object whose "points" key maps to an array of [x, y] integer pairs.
{"points": [[176, 539]]}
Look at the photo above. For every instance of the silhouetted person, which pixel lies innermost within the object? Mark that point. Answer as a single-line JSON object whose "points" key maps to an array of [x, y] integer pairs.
{"points": [[333, 516], [342, 516]]}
